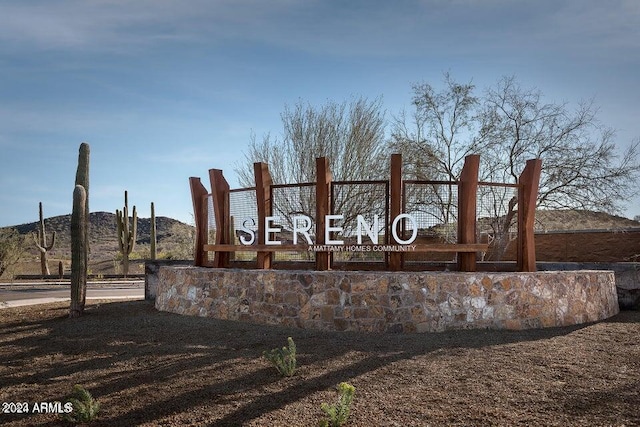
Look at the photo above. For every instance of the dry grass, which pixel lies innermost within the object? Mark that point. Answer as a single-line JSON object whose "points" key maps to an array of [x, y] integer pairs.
{"points": [[153, 368]]}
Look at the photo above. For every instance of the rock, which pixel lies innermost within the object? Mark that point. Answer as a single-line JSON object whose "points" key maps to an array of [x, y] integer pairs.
{"points": [[629, 299]]}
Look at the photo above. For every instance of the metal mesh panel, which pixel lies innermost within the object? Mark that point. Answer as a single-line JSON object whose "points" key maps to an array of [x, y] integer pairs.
{"points": [[211, 220], [288, 204], [493, 207], [368, 199], [434, 205], [497, 222], [244, 214]]}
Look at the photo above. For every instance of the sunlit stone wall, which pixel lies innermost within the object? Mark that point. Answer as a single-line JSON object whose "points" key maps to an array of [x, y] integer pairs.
{"points": [[389, 301]]}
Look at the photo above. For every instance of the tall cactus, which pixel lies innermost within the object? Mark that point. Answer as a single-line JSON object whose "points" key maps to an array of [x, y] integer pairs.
{"points": [[154, 250], [78, 252], [80, 234], [126, 234], [41, 244], [82, 178]]}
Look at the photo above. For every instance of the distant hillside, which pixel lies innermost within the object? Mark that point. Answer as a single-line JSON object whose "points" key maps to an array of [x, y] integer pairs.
{"points": [[172, 235], [574, 219]]}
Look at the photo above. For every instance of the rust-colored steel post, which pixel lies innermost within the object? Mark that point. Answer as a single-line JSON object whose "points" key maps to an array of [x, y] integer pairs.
{"points": [[220, 192], [200, 214], [396, 259], [467, 196], [263, 198], [323, 208], [529, 181]]}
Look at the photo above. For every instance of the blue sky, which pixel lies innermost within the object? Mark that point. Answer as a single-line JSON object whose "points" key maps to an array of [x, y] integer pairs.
{"points": [[163, 90]]}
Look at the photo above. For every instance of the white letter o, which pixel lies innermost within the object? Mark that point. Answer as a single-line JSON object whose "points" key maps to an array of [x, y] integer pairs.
{"points": [[394, 232]]}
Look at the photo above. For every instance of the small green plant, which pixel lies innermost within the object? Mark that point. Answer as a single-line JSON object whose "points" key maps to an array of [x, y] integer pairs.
{"points": [[284, 359], [338, 414], [85, 407]]}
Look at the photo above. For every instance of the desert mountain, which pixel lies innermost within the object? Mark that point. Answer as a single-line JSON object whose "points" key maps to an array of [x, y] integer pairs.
{"points": [[171, 233]]}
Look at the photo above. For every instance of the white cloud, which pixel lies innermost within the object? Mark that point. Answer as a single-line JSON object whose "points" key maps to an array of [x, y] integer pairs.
{"points": [[321, 27], [592, 27], [124, 25]]}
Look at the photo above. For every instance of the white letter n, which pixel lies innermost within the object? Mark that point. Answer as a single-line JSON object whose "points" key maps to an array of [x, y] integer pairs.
{"points": [[371, 232]]}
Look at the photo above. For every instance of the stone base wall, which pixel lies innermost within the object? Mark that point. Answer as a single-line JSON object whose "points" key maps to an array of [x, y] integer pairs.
{"points": [[627, 278], [151, 268], [389, 301]]}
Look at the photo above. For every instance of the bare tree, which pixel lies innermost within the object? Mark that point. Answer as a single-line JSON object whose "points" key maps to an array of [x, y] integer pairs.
{"points": [[434, 140], [12, 247], [350, 134], [441, 132], [582, 167]]}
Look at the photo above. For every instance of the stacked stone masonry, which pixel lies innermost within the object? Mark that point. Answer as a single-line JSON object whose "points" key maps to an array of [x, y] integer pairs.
{"points": [[389, 301]]}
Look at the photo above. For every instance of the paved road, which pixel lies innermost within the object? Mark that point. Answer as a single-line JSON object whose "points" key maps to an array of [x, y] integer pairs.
{"points": [[19, 294]]}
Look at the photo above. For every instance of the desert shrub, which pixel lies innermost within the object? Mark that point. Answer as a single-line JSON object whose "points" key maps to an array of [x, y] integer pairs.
{"points": [[85, 407], [339, 413], [12, 248], [284, 359]]}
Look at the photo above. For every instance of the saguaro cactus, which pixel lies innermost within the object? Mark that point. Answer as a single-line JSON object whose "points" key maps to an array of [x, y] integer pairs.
{"points": [[154, 250], [80, 234], [126, 234], [41, 243], [78, 252], [82, 178]]}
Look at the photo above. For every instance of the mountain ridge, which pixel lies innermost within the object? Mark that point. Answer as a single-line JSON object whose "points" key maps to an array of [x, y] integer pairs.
{"points": [[172, 235]]}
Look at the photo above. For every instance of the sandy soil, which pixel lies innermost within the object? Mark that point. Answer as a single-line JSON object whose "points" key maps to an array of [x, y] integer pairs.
{"points": [[159, 369]]}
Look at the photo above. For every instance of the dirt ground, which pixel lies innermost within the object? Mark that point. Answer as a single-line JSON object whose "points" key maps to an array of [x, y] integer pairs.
{"points": [[159, 369]]}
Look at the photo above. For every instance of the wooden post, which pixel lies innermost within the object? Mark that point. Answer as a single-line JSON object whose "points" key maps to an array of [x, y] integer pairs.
{"points": [[396, 259], [200, 215], [467, 196], [323, 207], [220, 192], [529, 181], [232, 237], [263, 198]]}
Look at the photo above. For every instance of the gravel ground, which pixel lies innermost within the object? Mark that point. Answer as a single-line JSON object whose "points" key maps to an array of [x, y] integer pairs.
{"points": [[159, 369]]}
